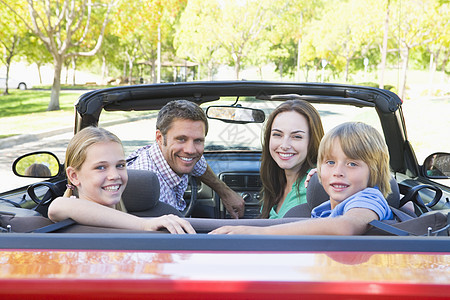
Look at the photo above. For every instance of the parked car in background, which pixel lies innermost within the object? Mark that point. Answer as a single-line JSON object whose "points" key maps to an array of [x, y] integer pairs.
{"points": [[15, 83], [406, 259]]}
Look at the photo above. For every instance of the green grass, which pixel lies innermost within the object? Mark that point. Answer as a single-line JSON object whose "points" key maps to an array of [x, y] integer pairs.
{"points": [[19, 103], [24, 112]]}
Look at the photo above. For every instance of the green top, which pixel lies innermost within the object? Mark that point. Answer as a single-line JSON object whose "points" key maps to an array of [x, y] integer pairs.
{"points": [[294, 198]]}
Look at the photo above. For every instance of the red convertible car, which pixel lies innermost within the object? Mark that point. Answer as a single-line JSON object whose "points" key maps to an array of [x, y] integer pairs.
{"points": [[408, 258]]}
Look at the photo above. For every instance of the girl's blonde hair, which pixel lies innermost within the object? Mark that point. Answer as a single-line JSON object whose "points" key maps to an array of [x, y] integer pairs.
{"points": [[363, 142], [77, 149]]}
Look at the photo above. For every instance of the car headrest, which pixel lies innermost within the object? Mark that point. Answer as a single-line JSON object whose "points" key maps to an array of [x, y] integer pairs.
{"points": [[142, 191], [141, 195], [316, 195]]}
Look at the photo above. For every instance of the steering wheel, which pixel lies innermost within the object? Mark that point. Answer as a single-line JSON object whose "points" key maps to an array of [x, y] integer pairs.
{"points": [[192, 181], [49, 192], [413, 195]]}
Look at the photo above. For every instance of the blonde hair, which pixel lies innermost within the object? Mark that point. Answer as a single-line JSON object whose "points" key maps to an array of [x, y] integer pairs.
{"points": [[363, 142], [77, 149]]}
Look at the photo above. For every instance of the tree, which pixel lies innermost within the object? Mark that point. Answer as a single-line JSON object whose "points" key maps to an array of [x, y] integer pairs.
{"points": [[437, 51], [289, 21], [193, 38], [384, 45], [237, 35], [340, 37], [223, 30], [415, 24], [35, 52], [10, 40], [62, 26], [142, 26]]}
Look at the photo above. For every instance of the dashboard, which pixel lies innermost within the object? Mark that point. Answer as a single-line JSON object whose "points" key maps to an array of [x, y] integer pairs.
{"points": [[240, 171]]}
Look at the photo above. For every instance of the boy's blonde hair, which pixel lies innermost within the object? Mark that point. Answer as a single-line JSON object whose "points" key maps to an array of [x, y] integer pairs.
{"points": [[76, 151], [363, 142]]}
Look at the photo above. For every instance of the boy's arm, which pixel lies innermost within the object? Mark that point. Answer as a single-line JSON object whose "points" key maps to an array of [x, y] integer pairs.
{"points": [[353, 222], [233, 203]]}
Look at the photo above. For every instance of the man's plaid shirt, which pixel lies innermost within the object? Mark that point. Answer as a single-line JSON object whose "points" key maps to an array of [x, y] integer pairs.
{"points": [[172, 186]]}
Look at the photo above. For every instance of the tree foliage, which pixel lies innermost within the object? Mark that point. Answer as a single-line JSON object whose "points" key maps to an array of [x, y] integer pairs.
{"points": [[293, 36], [11, 39], [64, 27]]}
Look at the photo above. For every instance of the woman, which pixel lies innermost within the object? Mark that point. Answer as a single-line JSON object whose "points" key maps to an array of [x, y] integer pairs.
{"points": [[291, 140]]}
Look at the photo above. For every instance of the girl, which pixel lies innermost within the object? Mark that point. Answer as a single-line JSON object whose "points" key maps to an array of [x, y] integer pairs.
{"points": [[291, 141], [353, 165], [97, 176]]}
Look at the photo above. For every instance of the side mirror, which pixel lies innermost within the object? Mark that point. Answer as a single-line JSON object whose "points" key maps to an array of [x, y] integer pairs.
{"points": [[236, 114], [437, 166], [37, 165]]}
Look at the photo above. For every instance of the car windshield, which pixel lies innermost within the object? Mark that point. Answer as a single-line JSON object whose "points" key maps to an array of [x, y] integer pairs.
{"points": [[223, 136]]}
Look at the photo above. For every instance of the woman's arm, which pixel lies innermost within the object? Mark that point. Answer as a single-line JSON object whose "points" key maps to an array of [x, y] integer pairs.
{"points": [[353, 222], [93, 214]]}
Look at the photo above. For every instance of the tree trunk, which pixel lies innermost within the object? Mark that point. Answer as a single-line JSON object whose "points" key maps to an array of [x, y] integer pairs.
{"points": [[8, 64], [74, 69], [130, 70], [384, 47], [9, 56], [56, 87], [39, 73], [237, 68], [280, 67], [104, 81], [405, 60], [153, 71], [347, 63]]}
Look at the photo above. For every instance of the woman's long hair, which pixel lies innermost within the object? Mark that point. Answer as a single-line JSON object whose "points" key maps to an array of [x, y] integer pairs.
{"points": [[272, 176]]}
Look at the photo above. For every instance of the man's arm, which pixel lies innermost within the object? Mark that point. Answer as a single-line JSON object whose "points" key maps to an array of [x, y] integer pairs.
{"points": [[233, 203]]}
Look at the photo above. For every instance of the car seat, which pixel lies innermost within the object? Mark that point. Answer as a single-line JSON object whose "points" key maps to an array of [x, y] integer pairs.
{"points": [[141, 195]]}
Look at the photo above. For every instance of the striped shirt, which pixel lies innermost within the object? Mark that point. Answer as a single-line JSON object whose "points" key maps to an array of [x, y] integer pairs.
{"points": [[172, 186]]}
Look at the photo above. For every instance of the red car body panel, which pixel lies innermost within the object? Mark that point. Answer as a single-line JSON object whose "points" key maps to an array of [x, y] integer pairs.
{"points": [[68, 274]]}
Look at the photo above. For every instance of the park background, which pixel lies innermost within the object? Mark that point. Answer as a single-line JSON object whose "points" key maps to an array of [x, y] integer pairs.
{"points": [[150, 41], [63, 49]]}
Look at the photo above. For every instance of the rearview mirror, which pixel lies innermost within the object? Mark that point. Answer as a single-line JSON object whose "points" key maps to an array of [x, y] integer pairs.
{"points": [[236, 114], [437, 166], [37, 165]]}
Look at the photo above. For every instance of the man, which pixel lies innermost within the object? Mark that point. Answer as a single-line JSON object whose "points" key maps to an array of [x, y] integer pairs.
{"points": [[181, 128]]}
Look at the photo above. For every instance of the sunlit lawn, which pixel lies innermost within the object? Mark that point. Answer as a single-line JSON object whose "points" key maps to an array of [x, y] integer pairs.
{"points": [[24, 112]]}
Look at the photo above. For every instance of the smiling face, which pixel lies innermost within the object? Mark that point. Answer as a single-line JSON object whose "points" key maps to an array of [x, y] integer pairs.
{"points": [[342, 176], [183, 145], [103, 176], [289, 139]]}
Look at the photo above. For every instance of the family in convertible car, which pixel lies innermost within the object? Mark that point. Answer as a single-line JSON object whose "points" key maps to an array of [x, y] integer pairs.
{"points": [[352, 160]]}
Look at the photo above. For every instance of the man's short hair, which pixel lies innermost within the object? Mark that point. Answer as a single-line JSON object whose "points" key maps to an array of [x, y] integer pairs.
{"points": [[179, 109]]}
